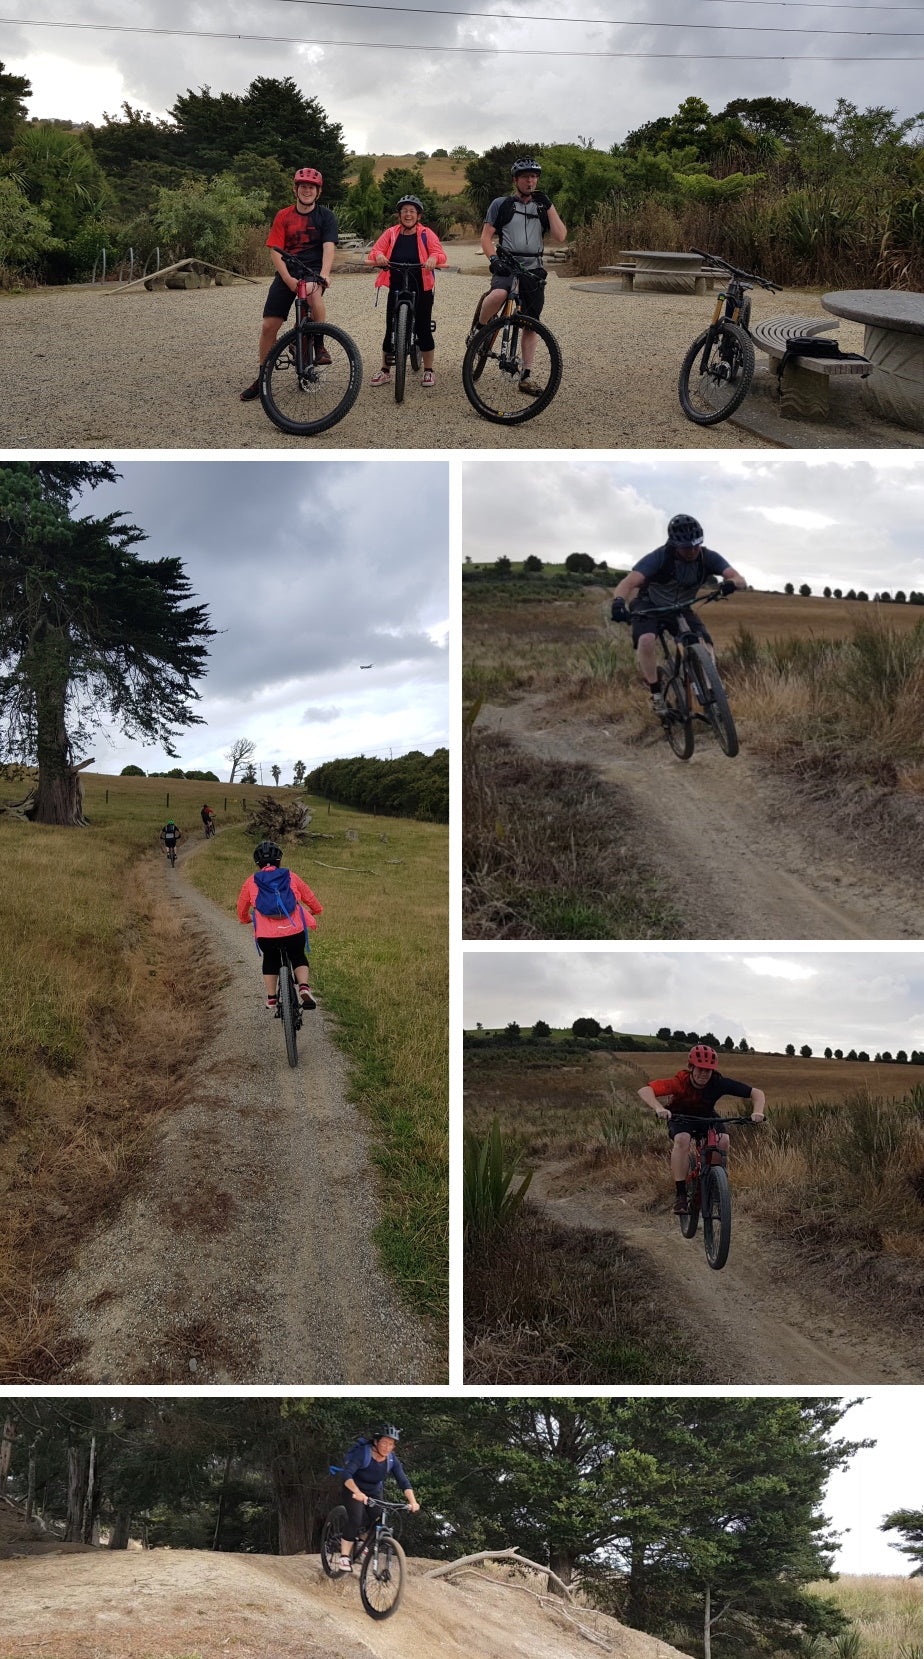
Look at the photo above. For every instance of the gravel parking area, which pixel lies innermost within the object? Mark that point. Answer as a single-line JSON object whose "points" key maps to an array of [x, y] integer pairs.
{"points": [[100, 369]]}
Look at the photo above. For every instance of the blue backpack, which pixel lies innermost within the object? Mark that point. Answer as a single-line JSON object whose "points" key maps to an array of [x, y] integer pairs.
{"points": [[359, 1457], [276, 898]]}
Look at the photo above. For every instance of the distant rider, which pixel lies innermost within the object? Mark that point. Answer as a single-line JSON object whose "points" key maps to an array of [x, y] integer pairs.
{"points": [[669, 576], [365, 1472], [694, 1092], [520, 223], [308, 231], [275, 901], [411, 243], [208, 818], [170, 835]]}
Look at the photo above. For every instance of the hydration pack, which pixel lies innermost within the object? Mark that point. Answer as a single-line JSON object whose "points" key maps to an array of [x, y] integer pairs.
{"points": [[276, 899], [359, 1457], [508, 208]]}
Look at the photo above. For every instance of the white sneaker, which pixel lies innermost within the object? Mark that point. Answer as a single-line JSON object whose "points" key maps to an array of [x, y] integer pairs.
{"points": [[346, 1563]]}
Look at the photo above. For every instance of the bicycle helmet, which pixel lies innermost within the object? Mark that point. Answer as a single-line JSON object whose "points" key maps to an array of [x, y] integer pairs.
{"points": [[410, 201], [385, 1431], [703, 1057], [267, 853], [685, 531], [309, 175], [526, 165]]}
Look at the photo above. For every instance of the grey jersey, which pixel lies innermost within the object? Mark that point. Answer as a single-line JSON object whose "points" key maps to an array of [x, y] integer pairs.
{"points": [[522, 234]]}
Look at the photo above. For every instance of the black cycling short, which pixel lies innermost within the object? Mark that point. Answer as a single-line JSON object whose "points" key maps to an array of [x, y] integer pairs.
{"points": [[648, 624], [292, 946], [532, 289], [423, 323], [360, 1516], [280, 299], [676, 1128]]}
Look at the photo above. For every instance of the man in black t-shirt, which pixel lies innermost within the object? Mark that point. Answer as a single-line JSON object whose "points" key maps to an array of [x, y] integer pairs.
{"points": [[309, 231]]}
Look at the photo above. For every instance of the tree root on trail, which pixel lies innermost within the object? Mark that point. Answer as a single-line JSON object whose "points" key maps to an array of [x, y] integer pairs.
{"points": [[464, 1565]]}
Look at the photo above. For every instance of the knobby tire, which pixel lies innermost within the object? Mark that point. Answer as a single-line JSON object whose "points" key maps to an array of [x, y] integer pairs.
{"points": [[690, 1221], [716, 1216], [714, 700], [331, 1534], [288, 402], [403, 326], [678, 726], [381, 1582], [710, 397], [287, 994], [498, 398]]}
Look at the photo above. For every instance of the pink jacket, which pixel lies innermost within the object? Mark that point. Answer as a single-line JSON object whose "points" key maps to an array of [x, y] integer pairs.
{"points": [[276, 927], [426, 250]]}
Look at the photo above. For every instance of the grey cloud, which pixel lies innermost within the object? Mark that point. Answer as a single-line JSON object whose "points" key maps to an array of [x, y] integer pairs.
{"points": [[319, 716]]}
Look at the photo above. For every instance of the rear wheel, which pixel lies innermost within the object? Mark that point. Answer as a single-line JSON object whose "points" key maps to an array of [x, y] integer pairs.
{"points": [[331, 1534], [493, 368], [402, 336], [287, 996], [711, 693], [302, 394], [678, 725], [381, 1581], [716, 1216], [716, 373]]}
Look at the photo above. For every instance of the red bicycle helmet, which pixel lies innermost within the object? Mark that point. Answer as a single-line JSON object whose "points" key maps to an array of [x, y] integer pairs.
{"points": [[703, 1058], [308, 175]]}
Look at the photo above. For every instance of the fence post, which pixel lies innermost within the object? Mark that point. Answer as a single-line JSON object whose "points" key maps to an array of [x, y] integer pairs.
{"points": [[107, 797], [168, 797]]}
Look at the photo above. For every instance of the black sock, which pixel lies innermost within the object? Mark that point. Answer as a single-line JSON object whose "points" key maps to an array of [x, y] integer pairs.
{"points": [[681, 1188]]}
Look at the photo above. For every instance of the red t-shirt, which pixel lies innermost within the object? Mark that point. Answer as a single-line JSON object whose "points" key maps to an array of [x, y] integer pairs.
{"points": [[302, 233], [701, 1102]]}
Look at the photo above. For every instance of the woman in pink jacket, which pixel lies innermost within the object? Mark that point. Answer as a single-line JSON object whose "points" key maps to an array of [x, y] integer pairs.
{"points": [[275, 901], [408, 243]]}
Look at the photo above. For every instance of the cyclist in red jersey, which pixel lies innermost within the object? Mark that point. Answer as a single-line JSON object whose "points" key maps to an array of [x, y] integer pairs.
{"points": [[694, 1092], [409, 242], [310, 231]]}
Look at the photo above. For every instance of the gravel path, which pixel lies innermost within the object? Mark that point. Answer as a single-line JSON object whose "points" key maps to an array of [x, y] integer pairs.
{"points": [[99, 368], [245, 1256]]}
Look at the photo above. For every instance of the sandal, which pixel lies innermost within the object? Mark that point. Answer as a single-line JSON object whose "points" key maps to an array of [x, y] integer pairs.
{"points": [[382, 378]]}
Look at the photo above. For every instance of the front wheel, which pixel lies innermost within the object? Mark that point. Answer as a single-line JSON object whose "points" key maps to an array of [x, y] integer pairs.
{"points": [[402, 338], [493, 372], [172, 855], [678, 724], [711, 693], [287, 995], [381, 1581], [716, 1216], [716, 373], [310, 379], [331, 1535], [690, 1221]]}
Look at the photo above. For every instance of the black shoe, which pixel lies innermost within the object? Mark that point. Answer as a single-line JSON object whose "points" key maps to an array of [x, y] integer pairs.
{"points": [[681, 1207], [250, 392]]}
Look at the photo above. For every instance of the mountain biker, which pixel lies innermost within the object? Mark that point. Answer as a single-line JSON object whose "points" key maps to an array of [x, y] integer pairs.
{"points": [[308, 230], [281, 927], [365, 1471], [208, 817], [520, 222], [170, 835], [668, 576], [409, 242], [694, 1092]]}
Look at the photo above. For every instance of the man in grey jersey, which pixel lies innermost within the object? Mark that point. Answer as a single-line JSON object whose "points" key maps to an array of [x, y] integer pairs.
{"points": [[519, 224]]}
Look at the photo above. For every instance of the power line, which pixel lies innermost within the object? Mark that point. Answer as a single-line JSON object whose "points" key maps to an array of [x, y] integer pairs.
{"points": [[471, 51], [618, 22]]}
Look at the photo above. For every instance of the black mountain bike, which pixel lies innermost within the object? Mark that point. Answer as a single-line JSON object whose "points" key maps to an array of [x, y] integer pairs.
{"points": [[289, 1009], [718, 369], [171, 852], [493, 363], [708, 1192], [404, 340], [690, 683], [382, 1562], [311, 377]]}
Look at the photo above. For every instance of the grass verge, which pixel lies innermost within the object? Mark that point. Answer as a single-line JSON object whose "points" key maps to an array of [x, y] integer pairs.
{"points": [[884, 1611]]}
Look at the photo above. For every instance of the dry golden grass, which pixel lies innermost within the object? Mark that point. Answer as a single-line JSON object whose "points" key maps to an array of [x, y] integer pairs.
{"points": [[885, 1611], [441, 174]]}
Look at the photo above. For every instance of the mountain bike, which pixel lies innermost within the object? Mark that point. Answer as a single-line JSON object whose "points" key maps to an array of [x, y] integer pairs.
{"points": [[382, 1562], [404, 339], [171, 852], [311, 377], [708, 1192], [289, 1009], [493, 361], [688, 677], [209, 828], [718, 368]]}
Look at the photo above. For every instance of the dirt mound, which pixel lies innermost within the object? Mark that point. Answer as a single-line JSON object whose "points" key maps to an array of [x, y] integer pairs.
{"points": [[158, 1603], [19, 1537]]}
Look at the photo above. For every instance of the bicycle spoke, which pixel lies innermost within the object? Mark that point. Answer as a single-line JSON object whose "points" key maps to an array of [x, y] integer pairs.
{"points": [[716, 374], [301, 392], [494, 372]]}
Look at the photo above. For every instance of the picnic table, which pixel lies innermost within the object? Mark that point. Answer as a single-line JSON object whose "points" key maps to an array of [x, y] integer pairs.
{"points": [[657, 270], [894, 344]]}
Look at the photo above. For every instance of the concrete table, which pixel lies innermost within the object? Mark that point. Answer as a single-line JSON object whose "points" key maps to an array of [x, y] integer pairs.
{"points": [[671, 273], [894, 344]]}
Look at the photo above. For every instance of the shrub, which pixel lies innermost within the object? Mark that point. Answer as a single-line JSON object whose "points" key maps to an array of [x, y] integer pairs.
{"points": [[203, 219], [489, 1170], [131, 772]]}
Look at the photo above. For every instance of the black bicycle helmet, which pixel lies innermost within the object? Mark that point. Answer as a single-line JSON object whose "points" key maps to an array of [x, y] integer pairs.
{"points": [[526, 164], [383, 1431], [410, 201], [684, 531], [267, 853]]}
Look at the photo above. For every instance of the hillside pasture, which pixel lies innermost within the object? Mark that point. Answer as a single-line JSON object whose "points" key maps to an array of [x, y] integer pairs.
{"points": [[439, 173]]}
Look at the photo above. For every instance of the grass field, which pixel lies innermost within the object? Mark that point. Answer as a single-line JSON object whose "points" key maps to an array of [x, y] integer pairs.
{"points": [[441, 174], [100, 1032], [885, 1612]]}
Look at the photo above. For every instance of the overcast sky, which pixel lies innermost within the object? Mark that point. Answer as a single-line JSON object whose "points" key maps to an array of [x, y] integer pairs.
{"points": [[850, 520], [885, 1478], [492, 92], [308, 569], [842, 999]]}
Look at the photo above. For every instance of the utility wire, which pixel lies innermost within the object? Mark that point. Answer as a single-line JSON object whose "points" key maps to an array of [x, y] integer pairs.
{"points": [[472, 51], [619, 22]]}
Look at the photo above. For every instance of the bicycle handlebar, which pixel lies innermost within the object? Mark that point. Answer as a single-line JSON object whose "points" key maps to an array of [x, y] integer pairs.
{"points": [[734, 271], [705, 1124], [682, 605], [297, 266]]}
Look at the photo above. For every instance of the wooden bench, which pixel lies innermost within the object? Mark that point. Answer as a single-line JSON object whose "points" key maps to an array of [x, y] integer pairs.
{"points": [[704, 278], [804, 381]]}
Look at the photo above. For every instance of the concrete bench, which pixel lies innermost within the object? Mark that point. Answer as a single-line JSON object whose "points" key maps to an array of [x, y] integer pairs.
{"points": [[704, 278], [804, 381]]}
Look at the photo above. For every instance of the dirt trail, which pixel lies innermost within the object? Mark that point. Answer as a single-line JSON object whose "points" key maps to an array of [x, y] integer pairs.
{"points": [[245, 1253], [154, 1604], [742, 859], [753, 1320]]}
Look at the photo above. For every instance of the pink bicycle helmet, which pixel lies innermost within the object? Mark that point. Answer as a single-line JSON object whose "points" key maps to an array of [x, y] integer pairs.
{"points": [[308, 175], [703, 1058]]}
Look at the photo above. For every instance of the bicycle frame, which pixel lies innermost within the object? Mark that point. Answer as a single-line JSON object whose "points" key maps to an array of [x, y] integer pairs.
{"points": [[675, 648]]}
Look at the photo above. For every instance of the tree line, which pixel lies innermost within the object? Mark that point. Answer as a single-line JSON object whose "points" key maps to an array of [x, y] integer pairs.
{"points": [[414, 786], [659, 1508], [587, 1032]]}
